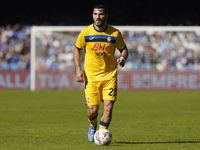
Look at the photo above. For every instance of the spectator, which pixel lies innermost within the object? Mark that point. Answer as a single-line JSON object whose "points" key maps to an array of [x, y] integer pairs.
{"points": [[14, 47], [149, 50]]}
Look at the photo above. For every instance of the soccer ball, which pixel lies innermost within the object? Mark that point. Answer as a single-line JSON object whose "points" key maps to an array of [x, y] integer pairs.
{"points": [[102, 137]]}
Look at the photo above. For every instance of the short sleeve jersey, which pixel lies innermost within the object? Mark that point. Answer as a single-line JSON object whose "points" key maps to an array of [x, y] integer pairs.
{"points": [[100, 62]]}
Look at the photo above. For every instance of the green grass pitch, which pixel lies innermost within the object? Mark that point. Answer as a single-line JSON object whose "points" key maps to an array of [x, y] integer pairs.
{"points": [[142, 120]]}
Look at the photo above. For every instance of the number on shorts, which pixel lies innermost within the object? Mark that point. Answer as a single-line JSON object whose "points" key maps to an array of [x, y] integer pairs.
{"points": [[113, 92]]}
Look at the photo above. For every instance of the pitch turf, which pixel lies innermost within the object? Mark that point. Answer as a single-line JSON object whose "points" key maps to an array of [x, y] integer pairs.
{"points": [[142, 120]]}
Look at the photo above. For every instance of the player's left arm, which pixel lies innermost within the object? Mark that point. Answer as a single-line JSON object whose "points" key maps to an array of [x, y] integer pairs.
{"points": [[121, 46], [124, 55]]}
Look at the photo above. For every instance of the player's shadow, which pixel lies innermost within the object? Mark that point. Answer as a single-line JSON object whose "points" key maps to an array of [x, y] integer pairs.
{"points": [[123, 142]]}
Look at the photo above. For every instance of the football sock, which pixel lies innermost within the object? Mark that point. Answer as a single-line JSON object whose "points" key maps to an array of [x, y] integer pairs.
{"points": [[93, 121], [103, 125]]}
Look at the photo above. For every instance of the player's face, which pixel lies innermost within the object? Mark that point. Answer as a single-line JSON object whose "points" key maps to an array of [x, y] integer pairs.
{"points": [[99, 17]]}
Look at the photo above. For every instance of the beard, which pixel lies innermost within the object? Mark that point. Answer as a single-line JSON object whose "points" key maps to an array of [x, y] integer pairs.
{"points": [[99, 22]]}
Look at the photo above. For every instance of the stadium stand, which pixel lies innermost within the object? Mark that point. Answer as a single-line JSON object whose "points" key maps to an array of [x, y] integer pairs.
{"points": [[14, 47], [163, 50], [148, 50]]}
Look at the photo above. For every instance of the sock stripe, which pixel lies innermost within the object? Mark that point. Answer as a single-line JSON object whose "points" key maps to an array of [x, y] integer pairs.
{"points": [[104, 124], [92, 118]]}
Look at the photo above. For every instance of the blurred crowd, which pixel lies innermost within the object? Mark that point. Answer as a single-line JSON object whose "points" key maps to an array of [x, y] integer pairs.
{"points": [[151, 50], [14, 47], [54, 50], [163, 50]]}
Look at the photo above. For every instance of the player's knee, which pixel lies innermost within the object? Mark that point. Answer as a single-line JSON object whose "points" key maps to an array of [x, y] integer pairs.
{"points": [[93, 110]]}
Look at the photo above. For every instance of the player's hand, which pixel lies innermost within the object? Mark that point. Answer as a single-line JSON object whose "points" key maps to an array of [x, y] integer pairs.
{"points": [[79, 76], [121, 62]]}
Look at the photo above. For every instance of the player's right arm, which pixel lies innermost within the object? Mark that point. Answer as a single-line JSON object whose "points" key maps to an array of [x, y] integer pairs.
{"points": [[77, 61], [79, 45]]}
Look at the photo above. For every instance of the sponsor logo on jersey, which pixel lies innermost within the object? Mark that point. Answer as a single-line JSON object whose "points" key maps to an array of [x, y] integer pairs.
{"points": [[100, 55], [97, 46]]}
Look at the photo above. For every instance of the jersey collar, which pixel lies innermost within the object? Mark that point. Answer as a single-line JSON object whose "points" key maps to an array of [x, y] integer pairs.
{"points": [[98, 30]]}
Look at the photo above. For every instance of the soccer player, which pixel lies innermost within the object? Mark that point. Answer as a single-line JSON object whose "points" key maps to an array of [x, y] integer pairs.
{"points": [[100, 69]]}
